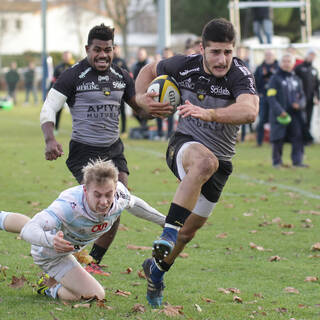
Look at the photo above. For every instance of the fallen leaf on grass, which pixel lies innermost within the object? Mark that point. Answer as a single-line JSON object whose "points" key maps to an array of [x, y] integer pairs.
{"points": [[259, 295], [276, 220], [287, 233], [274, 258], [17, 283], [141, 274], [184, 255], [291, 290], [138, 307], [311, 279], [237, 299], [83, 256], [208, 300], [122, 293], [254, 246], [128, 271], [134, 247], [222, 235], [286, 225], [82, 305], [229, 290], [3, 270], [122, 227], [102, 304], [172, 311], [198, 308], [281, 310]]}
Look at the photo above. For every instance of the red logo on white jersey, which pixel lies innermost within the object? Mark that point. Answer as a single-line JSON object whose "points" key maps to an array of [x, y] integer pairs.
{"points": [[99, 227]]}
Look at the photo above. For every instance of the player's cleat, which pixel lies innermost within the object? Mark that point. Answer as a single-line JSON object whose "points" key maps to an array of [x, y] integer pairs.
{"points": [[154, 291], [96, 269], [42, 284], [161, 248]]}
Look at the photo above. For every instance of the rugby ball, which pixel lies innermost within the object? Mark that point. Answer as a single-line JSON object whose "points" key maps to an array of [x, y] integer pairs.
{"points": [[167, 89]]}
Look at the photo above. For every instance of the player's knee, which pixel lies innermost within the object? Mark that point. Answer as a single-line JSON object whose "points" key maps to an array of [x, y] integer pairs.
{"points": [[100, 293], [207, 166]]}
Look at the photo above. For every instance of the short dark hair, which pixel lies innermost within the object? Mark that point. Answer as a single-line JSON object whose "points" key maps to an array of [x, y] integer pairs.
{"points": [[218, 30], [101, 32]]}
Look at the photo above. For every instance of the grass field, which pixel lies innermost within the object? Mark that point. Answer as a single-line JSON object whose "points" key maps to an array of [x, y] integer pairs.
{"points": [[264, 214]]}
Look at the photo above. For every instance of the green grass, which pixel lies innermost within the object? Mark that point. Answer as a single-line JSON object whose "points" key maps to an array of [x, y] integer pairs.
{"points": [[254, 196]]}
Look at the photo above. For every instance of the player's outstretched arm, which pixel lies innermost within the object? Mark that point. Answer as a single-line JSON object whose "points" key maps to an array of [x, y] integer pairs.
{"points": [[244, 110], [143, 210], [38, 230]]}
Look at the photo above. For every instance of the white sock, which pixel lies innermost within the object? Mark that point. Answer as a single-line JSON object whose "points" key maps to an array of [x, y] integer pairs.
{"points": [[3, 215]]}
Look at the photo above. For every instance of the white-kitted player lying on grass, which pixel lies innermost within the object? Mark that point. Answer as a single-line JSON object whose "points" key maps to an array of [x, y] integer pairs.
{"points": [[78, 216]]}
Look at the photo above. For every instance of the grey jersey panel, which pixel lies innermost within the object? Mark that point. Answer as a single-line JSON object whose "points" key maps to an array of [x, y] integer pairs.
{"points": [[220, 138], [94, 99], [209, 92]]}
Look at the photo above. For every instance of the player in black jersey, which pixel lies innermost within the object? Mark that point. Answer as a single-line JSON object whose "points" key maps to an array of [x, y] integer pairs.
{"points": [[93, 90], [218, 94]]}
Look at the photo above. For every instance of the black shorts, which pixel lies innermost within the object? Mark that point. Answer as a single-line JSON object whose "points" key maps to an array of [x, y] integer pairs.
{"points": [[213, 187], [80, 154]]}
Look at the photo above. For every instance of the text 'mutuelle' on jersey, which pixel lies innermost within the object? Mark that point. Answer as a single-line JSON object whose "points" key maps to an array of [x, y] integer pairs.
{"points": [[167, 89]]}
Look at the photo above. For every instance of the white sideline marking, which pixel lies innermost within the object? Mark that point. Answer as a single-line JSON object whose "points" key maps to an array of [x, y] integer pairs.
{"points": [[278, 185], [242, 176]]}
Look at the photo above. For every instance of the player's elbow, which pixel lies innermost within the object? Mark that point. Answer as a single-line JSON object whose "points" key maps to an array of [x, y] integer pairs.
{"points": [[252, 114]]}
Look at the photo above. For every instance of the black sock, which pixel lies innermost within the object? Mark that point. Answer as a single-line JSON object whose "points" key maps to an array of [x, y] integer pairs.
{"points": [[97, 253]]}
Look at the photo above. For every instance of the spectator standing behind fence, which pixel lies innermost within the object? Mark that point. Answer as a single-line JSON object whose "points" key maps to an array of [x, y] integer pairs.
{"points": [[12, 78], [167, 53], [120, 62], [262, 23], [286, 97], [67, 62], [142, 60], [29, 83], [310, 80], [262, 76]]}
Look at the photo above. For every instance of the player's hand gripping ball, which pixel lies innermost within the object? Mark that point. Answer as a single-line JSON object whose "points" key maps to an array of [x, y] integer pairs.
{"points": [[167, 89]]}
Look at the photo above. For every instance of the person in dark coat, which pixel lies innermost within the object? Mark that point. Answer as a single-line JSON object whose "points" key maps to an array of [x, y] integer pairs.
{"points": [[12, 78], [286, 97], [310, 80], [262, 76]]}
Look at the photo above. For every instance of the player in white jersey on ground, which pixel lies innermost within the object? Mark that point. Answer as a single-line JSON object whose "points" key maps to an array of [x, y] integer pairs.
{"points": [[77, 217]]}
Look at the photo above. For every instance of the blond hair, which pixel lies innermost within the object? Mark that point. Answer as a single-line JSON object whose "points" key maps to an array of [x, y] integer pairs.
{"points": [[99, 171]]}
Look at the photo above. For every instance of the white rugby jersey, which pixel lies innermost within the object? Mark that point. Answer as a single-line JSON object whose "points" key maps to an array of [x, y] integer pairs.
{"points": [[70, 213]]}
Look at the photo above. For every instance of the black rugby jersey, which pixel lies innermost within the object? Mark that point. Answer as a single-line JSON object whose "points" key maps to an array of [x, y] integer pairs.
{"points": [[94, 99], [209, 92]]}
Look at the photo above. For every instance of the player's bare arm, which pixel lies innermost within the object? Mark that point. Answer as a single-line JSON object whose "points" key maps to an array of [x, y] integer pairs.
{"points": [[53, 148], [145, 100], [244, 110], [53, 103]]}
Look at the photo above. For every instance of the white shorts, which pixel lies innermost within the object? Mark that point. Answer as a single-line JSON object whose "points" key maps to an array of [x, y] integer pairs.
{"points": [[203, 207], [57, 267]]}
